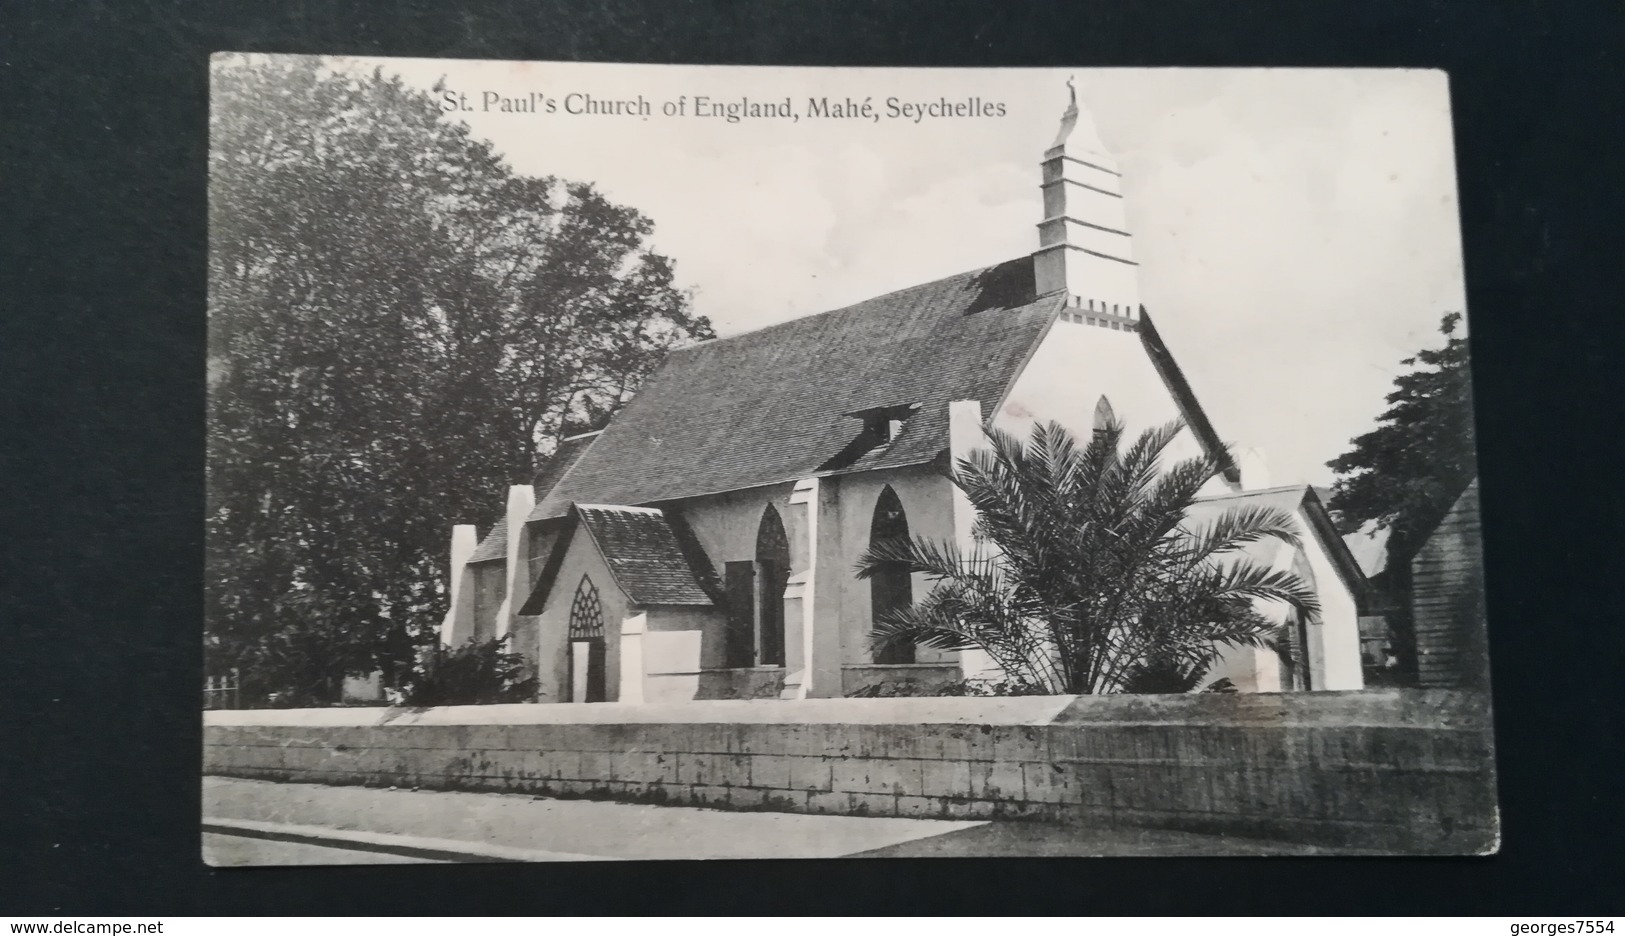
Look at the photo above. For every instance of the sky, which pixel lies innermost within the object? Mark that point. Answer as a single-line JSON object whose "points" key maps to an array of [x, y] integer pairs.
{"points": [[1297, 230]]}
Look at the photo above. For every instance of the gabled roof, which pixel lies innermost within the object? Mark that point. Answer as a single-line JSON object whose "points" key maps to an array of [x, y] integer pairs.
{"points": [[1287, 497], [642, 552], [495, 544], [1295, 499], [774, 405], [564, 457], [1189, 407]]}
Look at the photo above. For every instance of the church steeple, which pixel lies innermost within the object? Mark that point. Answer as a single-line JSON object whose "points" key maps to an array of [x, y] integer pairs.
{"points": [[1084, 247]]}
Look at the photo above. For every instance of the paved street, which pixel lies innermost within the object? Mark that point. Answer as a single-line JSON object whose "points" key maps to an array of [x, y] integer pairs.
{"points": [[258, 822], [224, 851]]}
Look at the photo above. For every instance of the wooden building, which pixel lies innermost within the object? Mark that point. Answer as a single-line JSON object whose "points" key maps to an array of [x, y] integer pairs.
{"points": [[1447, 600]]}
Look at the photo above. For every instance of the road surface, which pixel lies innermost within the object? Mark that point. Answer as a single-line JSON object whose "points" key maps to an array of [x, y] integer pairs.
{"points": [[251, 822]]}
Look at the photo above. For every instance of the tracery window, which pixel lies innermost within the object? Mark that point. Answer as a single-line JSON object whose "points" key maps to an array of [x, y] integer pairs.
{"points": [[586, 612], [587, 652]]}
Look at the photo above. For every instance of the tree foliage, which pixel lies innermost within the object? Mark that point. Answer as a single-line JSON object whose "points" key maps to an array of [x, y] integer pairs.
{"points": [[1405, 474], [398, 325], [1086, 576]]}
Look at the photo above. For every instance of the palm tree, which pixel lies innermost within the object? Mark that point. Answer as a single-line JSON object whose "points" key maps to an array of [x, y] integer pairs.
{"points": [[1085, 576]]}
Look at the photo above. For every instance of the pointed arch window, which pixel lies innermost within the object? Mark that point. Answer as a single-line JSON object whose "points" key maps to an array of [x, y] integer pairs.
{"points": [[586, 612], [892, 586], [773, 574], [586, 646], [1104, 416]]}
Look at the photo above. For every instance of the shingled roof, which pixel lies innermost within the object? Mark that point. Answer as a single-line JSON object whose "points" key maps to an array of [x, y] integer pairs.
{"points": [[564, 457], [641, 550], [777, 404], [495, 544]]}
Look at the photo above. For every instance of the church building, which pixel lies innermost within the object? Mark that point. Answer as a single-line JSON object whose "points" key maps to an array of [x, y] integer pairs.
{"points": [[703, 544]]}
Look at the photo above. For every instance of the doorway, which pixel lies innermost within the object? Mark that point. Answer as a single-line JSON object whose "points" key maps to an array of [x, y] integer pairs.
{"points": [[588, 657]]}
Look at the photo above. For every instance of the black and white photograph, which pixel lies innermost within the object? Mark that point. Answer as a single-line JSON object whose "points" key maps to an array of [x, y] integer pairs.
{"points": [[631, 462]]}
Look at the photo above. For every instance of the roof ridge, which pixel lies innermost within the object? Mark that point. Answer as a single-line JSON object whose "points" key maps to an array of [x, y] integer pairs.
{"points": [[766, 410], [578, 446], [623, 507], [845, 308]]}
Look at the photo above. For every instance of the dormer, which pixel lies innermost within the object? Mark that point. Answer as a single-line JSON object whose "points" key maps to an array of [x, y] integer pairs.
{"points": [[884, 424], [878, 427]]}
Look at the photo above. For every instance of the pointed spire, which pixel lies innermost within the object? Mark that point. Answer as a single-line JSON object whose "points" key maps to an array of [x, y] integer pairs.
{"points": [[1084, 247], [1077, 134]]}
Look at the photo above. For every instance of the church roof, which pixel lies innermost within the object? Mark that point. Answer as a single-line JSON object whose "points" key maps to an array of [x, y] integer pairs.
{"points": [[495, 544], [642, 552], [778, 404], [564, 457]]}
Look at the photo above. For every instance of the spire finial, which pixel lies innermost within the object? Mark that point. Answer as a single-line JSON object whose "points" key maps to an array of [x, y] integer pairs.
{"points": [[1072, 90]]}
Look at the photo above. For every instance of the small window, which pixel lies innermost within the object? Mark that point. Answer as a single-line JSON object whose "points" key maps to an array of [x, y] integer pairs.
{"points": [[891, 586], [1104, 417]]}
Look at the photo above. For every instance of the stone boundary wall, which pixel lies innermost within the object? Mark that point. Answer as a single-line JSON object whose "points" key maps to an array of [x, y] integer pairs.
{"points": [[1388, 769]]}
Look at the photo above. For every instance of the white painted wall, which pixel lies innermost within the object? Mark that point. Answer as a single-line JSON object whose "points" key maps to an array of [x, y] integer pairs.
{"points": [[726, 527], [926, 497], [1333, 653], [552, 626], [458, 624], [1339, 630], [633, 629], [521, 498], [1073, 367], [539, 546], [673, 651], [726, 524]]}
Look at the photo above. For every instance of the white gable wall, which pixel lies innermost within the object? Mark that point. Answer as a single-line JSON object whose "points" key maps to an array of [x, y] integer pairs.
{"points": [[1333, 654], [1074, 365], [1339, 617], [552, 626]]}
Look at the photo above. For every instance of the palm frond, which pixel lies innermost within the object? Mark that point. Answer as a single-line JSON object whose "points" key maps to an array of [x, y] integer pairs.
{"points": [[1086, 575], [1239, 526]]}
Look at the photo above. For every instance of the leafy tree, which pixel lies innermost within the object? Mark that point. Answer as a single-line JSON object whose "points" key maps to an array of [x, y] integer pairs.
{"points": [[1086, 576], [1404, 475], [398, 325]]}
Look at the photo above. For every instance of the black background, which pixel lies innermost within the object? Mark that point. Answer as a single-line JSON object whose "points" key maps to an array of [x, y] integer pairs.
{"points": [[103, 131]]}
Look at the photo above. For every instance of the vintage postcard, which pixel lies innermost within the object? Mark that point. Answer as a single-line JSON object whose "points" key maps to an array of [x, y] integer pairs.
{"points": [[668, 462]]}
